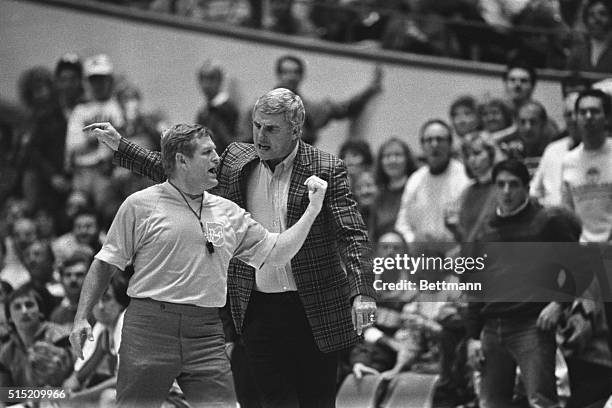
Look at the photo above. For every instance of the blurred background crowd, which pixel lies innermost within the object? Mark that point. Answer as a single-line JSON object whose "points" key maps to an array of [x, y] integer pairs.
{"points": [[552, 33]]}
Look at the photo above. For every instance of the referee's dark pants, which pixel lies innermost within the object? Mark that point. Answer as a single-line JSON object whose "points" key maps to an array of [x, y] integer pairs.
{"points": [[288, 367], [164, 341]]}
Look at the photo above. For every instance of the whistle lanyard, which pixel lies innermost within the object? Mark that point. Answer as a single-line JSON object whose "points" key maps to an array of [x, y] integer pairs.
{"points": [[198, 215]]}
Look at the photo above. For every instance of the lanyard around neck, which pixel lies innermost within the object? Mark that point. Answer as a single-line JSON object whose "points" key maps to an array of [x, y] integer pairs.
{"points": [[198, 215]]}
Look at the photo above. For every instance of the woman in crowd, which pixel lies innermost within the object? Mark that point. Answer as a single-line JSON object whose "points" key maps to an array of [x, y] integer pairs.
{"points": [[394, 164], [477, 200], [497, 118], [464, 117]]}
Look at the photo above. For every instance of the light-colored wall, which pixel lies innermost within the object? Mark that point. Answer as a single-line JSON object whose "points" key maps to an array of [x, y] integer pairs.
{"points": [[162, 62]]}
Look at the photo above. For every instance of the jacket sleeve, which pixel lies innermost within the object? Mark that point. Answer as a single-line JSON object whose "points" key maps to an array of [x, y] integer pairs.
{"points": [[351, 233], [139, 160]]}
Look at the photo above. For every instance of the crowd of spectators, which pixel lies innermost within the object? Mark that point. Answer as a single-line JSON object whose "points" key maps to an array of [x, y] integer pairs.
{"points": [[59, 191], [561, 34]]}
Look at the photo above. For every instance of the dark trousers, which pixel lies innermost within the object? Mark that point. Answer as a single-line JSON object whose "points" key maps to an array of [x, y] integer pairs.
{"points": [[589, 382], [288, 367], [164, 341]]}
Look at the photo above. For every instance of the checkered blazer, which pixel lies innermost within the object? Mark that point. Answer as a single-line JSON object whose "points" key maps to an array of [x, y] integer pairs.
{"points": [[332, 266]]}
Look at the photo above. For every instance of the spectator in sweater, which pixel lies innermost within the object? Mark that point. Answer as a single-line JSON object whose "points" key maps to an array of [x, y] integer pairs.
{"points": [[477, 200], [512, 326], [431, 189]]}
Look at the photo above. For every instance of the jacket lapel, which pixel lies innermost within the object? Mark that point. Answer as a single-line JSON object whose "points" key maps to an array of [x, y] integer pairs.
{"points": [[240, 175], [301, 171]]}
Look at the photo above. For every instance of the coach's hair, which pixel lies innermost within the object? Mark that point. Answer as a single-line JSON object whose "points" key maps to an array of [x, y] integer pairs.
{"points": [[282, 100], [180, 138]]}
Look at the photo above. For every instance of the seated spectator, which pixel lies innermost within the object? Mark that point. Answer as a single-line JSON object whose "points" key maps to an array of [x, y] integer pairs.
{"points": [[45, 225], [10, 166], [94, 377], [72, 274], [357, 156], [542, 35], [420, 31], [218, 112], [68, 77], [430, 190], [546, 183], [371, 356], [76, 201], [141, 128], [284, 20], [478, 199], [5, 329], [85, 234], [583, 339], [394, 165], [497, 119], [464, 117], [520, 79], [39, 262], [365, 193], [574, 83], [38, 353], [407, 336], [594, 52], [23, 233], [531, 138]]}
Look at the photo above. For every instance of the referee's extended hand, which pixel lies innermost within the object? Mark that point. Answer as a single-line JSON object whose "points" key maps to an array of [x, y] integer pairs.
{"points": [[80, 331], [105, 133]]}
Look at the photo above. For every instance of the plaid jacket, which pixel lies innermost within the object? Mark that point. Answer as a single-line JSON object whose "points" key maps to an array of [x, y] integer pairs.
{"points": [[333, 265]]}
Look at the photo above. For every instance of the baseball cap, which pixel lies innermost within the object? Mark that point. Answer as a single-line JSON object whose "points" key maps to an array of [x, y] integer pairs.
{"points": [[98, 65]]}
